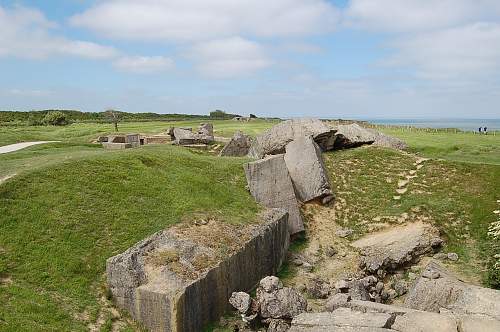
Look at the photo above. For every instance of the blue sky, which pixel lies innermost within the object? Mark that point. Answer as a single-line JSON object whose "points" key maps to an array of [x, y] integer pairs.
{"points": [[288, 58]]}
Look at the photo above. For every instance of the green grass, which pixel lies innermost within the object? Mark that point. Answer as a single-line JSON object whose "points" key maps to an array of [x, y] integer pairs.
{"points": [[58, 224], [461, 146], [456, 197], [86, 132]]}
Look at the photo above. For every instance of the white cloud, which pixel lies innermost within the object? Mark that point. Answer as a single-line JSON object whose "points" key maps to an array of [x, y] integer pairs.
{"points": [[230, 57], [203, 20], [144, 64], [418, 15], [26, 33], [466, 52]]}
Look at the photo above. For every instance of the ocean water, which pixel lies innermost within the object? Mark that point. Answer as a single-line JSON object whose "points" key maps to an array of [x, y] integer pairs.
{"points": [[462, 124]]}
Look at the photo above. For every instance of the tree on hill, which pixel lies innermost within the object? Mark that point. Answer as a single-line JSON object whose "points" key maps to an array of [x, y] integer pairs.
{"points": [[114, 117], [218, 114], [55, 118]]}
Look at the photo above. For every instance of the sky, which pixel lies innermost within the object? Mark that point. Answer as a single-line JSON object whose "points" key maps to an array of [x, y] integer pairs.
{"points": [[366, 59]]}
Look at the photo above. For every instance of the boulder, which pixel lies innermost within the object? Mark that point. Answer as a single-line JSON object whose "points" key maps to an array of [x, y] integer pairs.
{"points": [[446, 291], [271, 185], [305, 166], [278, 325], [274, 140], [241, 301], [179, 280], [390, 249], [278, 302], [342, 319], [238, 146], [353, 135]]}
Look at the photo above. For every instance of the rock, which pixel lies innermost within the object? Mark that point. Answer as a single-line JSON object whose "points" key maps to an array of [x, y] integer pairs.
{"points": [[342, 285], [469, 323], [305, 166], [282, 303], [353, 135], [204, 135], [278, 325], [401, 287], [432, 294], [395, 247], [336, 301], [307, 267], [318, 288], [330, 251], [379, 286], [274, 140], [344, 232], [270, 284], [429, 273], [369, 281], [440, 255], [238, 146], [271, 185], [342, 319], [167, 281], [241, 301], [424, 321], [358, 291], [452, 256], [327, 199]]}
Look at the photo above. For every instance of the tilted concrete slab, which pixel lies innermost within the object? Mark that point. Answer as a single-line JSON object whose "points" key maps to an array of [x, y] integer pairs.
{"points": [[271, 186]]}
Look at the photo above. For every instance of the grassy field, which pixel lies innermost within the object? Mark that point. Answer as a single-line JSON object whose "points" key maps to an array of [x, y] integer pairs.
{"points": [[60, 223], [73, 204], [461, 146]]}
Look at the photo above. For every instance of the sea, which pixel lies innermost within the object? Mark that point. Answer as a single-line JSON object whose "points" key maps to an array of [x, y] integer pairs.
{"points": [[462, 124]]}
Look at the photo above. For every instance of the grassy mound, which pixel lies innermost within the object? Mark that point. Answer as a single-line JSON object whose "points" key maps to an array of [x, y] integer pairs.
{"points": [[58, 224]]}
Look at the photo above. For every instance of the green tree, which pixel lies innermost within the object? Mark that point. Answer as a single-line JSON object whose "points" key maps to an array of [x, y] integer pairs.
{"points": [[55, 118]]}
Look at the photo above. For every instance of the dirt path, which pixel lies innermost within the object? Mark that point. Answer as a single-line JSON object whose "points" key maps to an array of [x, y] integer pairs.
{"points": [[19, 146]]}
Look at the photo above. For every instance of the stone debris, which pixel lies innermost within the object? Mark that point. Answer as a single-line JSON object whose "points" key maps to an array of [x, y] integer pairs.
{"points": [[307, 170], [353, 135], [274, 140], [393, 248], [185, 136], [238, 146], [452, 256], [318, 288], [443, 290], [167, 281], [241, 301], [344, 232], [271, 185]]}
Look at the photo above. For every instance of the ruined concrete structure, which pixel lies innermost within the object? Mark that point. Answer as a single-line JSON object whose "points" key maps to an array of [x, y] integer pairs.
{"points": [[120, 141], [238, 146], [181, 279], [186, 136]]}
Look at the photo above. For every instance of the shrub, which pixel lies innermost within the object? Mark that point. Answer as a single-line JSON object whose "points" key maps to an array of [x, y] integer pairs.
{"points": [[55, 118]]}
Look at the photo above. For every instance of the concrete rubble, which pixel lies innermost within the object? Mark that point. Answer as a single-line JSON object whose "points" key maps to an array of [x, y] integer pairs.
{"points": [[119, 141], [307, 170], [353, 135], [271, 185], [238, 146], [388, 250], [274, 140], [185, 136], [180, 279]]}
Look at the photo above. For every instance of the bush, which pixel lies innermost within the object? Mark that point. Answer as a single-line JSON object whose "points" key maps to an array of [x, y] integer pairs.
{"points": [[55, 118]]}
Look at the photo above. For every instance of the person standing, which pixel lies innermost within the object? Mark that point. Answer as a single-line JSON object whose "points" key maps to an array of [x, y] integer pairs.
{"points": [[480, 128], [485, 130]]}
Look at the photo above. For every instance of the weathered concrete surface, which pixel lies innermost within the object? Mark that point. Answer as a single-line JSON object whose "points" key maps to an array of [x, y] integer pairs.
{"points": [[353, 135], [342, 319], [185, 136], [274, 140], [271, 185], [418, 321], [393, 248], [437, 288], [179, 280], [238, 146], [306, 168], [470, 323]]}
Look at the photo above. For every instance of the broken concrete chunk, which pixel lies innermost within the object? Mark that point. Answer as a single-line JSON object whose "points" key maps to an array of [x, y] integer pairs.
{"points": [[270, 284], [388, 250], [182, 136], [274, 140], [241, 301], [278, 325], [177, 280], [353, 135], [282, 303], [339, 320], [307, 170], [271, 186], [433, 294], [339, 300], [238, 146]]}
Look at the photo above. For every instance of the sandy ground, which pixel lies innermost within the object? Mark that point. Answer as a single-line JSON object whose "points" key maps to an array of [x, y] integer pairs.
{"points": [[19, 146]]}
